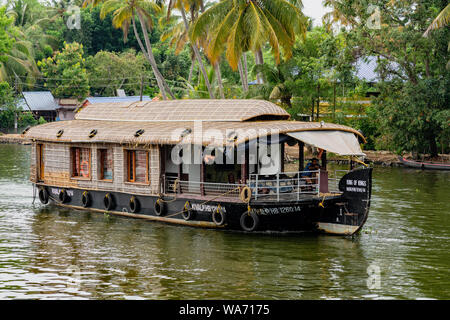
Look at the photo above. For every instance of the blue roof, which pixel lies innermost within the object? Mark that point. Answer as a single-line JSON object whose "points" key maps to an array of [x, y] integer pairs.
{"points": [[117, 99], [39, 101]]}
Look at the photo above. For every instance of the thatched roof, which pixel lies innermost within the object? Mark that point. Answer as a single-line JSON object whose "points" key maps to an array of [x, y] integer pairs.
{"points": [[171, 132], [184, 110]]}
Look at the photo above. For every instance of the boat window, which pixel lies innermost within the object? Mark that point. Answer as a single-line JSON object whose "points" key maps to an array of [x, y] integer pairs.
{"points": [[106, 164], [137, 166], [81, 162]]}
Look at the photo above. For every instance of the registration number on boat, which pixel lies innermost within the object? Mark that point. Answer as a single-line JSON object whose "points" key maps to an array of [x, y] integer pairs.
{"points": [[277, 210]]}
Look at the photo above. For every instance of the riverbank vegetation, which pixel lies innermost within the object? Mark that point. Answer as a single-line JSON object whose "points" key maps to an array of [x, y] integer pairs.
{"points": [[264, 49]]}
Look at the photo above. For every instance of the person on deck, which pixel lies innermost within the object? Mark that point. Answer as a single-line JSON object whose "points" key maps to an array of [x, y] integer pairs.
{"points": [[308, 174]]}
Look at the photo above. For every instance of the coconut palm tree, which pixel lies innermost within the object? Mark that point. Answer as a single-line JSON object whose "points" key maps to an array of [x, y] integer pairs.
{"points": [[124, 15], [238, 26], [441, 20], [192, 6], [175, 32], [19, 65]]}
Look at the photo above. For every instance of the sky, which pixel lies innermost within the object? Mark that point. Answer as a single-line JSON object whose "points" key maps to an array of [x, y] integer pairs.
{"points": [[315, 10]]}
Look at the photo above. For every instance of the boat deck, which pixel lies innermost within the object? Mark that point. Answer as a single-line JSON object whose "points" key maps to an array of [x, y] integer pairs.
{"points": [[269, 198]]}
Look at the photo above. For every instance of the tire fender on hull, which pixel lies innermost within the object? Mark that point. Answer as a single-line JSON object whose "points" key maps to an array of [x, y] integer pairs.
{"points": [[43, 195], [108, 202], [249, 221]]}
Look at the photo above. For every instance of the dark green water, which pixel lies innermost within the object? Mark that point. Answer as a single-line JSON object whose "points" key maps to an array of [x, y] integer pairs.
{"points": [[48, 252]]}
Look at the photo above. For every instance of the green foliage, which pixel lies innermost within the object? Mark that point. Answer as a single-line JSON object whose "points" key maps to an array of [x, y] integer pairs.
{"points": [[108, 71], [238, 26], [412, 112], [66, 73], [417, 118], [5, 40], [8, 106]]}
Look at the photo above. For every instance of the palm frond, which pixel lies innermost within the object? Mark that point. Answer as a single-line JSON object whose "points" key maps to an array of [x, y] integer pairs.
{"points": [[441, 20]]}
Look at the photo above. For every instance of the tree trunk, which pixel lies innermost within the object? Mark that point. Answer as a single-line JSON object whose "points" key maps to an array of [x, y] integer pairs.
{"points": [[318, 101], [163, 87], [242, 75], [433, 146], [197, 55], [191, 70], [334, 99], [245, 67], [219, 79], [259, 59]]}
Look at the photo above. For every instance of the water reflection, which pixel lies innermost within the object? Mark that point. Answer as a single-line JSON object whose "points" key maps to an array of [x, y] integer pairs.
{"points": [[49, 252]]}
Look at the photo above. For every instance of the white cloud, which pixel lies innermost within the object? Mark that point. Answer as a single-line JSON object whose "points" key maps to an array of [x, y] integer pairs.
{"points": [[315, 10]]}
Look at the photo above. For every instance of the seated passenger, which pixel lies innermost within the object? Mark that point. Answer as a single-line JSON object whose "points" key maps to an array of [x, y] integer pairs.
{"points": [[310, 176]]}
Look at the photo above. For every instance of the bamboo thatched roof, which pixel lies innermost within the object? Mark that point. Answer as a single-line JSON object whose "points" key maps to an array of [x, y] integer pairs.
{"points": [[184, 110], [172, 132]]}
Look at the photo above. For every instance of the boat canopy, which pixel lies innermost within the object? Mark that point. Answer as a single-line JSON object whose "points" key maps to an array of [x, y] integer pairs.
{"points": [[339, 142], [201, 122]]}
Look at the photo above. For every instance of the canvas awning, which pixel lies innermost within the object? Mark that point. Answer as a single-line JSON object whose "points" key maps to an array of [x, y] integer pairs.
{"points": [[339, 142]]}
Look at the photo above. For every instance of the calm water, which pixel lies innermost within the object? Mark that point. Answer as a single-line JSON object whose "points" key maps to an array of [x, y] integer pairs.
{"points": [[53, 253]]}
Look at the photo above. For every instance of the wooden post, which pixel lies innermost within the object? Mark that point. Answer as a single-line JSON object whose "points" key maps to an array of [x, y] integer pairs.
{"points": [[202, 176], [162, 168], [180, 170], [301, 156], [244, 168], [324, 160]]}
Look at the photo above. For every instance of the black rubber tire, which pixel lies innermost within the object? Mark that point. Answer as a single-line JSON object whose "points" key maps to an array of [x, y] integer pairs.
{"points": [[86, 199], [160, 208], [108, 202], [188, 213], [219, 217], [249, 222], [63, 197], [135, 205], [43, 196]]}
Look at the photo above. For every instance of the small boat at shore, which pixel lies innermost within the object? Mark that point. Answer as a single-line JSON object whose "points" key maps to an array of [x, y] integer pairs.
{"points": [[424, 164], [201, 163]]}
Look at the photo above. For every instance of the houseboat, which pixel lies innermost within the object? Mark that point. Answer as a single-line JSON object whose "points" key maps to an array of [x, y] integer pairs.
{"points": [[202, 163]]}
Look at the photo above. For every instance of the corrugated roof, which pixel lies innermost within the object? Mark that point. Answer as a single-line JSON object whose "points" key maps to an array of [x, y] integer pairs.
{"points": [[366, 69], [215, 133], [116, 99], [40, 100], [184, 110]]}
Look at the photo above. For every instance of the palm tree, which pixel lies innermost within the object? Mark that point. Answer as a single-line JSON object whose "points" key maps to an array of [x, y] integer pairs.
{"points": [[19, 65], [441, 20], [238, 26], [175, 32], [193, 6], [124, 12]]}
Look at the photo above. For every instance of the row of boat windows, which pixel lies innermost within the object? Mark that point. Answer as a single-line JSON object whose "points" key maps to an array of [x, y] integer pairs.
{"points": [[136, 164]]}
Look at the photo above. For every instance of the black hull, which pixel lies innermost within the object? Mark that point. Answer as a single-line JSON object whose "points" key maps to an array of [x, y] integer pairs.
{"points": [[340, 214]]}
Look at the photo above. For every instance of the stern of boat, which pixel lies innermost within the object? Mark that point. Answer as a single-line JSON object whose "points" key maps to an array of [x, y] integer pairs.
{"points": [[347, 215]]}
